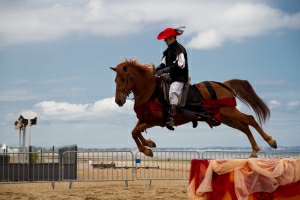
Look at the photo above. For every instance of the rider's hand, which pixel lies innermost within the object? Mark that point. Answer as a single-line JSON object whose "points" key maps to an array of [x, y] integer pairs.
{"points": [[160, 72]]}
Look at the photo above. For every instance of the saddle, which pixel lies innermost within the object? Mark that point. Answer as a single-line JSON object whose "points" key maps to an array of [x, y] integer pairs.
{"points": [[165, 87], [191, 101]]}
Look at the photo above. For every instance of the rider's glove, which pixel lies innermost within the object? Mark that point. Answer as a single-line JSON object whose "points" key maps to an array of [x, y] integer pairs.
{"points": [[162, 71], [161, 66]]}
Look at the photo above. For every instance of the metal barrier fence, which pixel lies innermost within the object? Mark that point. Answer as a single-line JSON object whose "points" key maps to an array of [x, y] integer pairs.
{"points": [[215, 154], [283, 154], [164, 165], [99, 166], [29, 167]]}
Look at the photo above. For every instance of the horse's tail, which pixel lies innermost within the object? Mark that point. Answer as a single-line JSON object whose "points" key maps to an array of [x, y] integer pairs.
{"points": [[246, 94]]}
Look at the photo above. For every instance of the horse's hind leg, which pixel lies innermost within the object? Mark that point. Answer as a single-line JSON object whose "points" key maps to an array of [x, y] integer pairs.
{"points": [[230, 115], [249, 120], [265, 136], [245, 129]]}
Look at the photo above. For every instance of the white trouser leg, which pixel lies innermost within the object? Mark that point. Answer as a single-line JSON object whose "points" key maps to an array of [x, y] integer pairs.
{"points": [[175, 89]]}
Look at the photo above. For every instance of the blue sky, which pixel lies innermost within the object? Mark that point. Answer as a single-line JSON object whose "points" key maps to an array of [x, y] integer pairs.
{"points": [[55, 58]]}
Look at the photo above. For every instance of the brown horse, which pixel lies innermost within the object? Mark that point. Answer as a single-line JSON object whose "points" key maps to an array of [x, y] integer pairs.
{"points": [[133, 77]]}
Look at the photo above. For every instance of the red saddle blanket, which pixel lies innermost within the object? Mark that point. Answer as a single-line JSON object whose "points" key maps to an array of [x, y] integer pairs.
{"points": [[150, 106], [215, 105]]}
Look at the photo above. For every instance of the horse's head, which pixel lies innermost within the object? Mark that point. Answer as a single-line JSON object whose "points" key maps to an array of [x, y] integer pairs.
{"points": [[124, 83]]}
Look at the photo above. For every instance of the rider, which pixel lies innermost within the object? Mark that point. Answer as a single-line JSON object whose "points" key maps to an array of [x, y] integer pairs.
{"points": [[175, 62]]}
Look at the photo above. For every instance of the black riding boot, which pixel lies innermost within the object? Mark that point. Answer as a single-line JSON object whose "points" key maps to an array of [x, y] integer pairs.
{"points": [[170, 119], [195, 123], [204, 116], [208, 119]]}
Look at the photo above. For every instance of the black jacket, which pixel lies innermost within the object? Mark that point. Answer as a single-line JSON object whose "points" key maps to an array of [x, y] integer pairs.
{"points": [[176, 73]]}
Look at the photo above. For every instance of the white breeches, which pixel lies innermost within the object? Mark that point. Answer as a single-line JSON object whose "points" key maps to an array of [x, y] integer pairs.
{"points": [[175, 89]]}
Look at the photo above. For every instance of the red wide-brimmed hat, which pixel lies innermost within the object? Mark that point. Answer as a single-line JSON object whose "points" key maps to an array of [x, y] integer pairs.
{"points": [[169, 32]]}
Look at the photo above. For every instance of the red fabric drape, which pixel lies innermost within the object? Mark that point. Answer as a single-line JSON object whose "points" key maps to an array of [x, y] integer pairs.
{"points": [[198, 169], [223, 186], [291, 190]]}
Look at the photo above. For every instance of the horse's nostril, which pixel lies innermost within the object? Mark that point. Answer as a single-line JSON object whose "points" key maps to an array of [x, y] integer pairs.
{"points": [[119, 102]]}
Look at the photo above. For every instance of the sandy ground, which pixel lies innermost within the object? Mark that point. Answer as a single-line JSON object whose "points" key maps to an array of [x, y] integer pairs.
{"points": [[160, 189]]}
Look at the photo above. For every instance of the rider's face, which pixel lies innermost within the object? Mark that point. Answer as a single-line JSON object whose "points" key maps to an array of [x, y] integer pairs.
{"points": [[169, 40]]}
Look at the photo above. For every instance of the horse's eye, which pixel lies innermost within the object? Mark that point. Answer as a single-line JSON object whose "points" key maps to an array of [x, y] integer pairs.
{"points": [[123, 79]]}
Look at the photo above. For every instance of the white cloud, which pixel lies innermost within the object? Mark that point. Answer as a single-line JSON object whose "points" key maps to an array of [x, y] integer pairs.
{"points": [[236, 21], [274, 104], [65, 79], [293, 103], [8, 119], [209, 23], [63, 111], [293, 106], [16, 95]]}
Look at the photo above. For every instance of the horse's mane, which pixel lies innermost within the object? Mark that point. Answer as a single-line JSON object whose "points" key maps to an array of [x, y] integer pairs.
{"points": [[148, 68]]}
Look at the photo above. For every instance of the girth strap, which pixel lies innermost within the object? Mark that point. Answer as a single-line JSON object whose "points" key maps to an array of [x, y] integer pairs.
{"points": [[211, 90], [225, 86]]}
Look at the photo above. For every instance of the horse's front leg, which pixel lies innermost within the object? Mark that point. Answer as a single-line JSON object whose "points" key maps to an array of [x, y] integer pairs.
{"points": [[139, 128], [140, 141], [148, 143]]}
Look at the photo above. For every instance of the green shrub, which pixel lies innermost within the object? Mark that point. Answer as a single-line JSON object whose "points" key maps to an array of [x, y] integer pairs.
{"points": [[34, 158]]}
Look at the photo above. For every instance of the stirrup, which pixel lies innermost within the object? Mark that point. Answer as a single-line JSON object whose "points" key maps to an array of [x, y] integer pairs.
{"points": [[170, 121], [212, 121], [171, 128]]}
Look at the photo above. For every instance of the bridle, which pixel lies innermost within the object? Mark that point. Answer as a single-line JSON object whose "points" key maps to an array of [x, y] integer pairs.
{"points": [[126, 94]]}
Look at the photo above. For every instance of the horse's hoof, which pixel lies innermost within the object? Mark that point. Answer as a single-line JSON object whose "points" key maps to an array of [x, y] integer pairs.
{"points": [[153, 145], [274, 144], [253, 156], [148, 152]]}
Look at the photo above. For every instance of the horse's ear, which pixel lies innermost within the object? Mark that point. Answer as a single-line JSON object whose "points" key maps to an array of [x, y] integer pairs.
{"points": [[125, 68], [113, 68]]}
